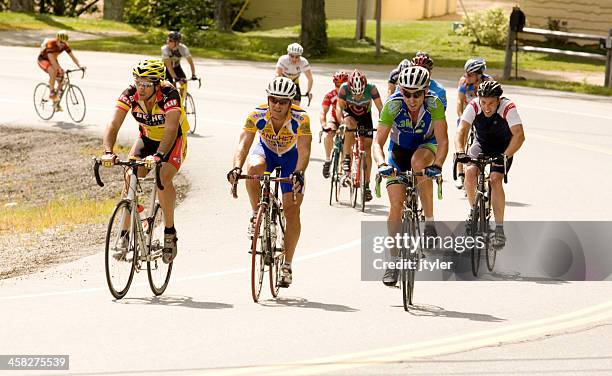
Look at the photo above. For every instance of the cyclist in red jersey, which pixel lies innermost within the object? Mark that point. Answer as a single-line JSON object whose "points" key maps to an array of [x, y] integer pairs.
{"points": [[328, 126], [50, 49]]}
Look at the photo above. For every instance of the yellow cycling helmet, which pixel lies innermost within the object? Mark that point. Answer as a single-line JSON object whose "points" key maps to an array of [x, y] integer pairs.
{"points": [[62, 36], [151, 69]]}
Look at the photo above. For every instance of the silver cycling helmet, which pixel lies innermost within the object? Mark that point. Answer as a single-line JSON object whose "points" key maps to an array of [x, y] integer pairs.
{"points": [[281, 87], [476, 65]]}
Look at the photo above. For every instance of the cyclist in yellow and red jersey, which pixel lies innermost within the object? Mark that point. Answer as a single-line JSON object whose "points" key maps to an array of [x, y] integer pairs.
{"points": [[467, 87], [284, 141], [50, 49], [330, 125], [156, 106]]}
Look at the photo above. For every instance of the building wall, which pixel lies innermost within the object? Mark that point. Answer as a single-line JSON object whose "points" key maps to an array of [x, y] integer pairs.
{"points": [[582, 16], [280, 13]]}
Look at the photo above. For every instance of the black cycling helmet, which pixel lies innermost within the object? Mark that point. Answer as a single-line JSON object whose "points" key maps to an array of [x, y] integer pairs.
{"points": [[175, 36], [490, 89]]}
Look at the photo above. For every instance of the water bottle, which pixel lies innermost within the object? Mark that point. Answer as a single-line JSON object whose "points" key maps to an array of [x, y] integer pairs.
{"points": [[143, 216]]}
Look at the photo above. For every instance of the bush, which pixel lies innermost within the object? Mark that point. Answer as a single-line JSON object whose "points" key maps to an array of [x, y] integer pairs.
{"points": [[491, 26]]}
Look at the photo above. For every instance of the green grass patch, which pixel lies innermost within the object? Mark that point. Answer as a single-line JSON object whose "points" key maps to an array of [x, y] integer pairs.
{"points": [[32, 21], [72, 211], [575, 87]]}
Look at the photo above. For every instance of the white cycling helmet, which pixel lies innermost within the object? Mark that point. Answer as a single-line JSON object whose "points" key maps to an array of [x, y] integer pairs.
{"points": [[476, 65], [404, 64], [295, 49], [414, 78], [281, 87]]}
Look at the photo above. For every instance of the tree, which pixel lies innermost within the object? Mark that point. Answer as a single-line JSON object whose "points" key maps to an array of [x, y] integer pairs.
{"points": [[314, 27], [22, 5], [223, 16], [113, 10]]}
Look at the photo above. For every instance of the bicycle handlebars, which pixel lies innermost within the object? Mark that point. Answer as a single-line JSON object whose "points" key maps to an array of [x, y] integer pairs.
{"points": [[128, 163], [82, 69], [408, 174], [481, 161], [260, 178]]}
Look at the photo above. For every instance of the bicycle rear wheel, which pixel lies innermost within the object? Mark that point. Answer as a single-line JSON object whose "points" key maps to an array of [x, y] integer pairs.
{"points": [[120, 250], [410, 262], [259, 246], [75, 103], [157, 271], [44, 107], [490, 252], [333, 189], [190, 112], [362, 179], [355, 169], [278, 252]]}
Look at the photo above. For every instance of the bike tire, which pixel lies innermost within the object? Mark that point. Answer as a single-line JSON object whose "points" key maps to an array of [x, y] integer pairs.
{"points": [[120, 272], [44, 107], [408, 274], [362, 176], [474, 230], [258, 248], [158, 272], [334, 176], [354, 181], [190, 112], [490, 252], [75, 103], [279, 253]]}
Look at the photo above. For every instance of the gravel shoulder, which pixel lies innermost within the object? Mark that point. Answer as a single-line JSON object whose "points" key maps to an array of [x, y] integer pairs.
{"points": [[38, 167]]}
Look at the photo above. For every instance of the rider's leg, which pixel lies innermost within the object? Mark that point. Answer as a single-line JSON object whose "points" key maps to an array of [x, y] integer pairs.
{"points": [[256, 165], [397, 195], [328, 140], [167, 197], [471, 180], [349, 137], [294, 226], [368, 150], [52, 76]]}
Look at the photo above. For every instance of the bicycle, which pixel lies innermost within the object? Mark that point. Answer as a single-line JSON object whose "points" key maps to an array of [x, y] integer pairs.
{"points": [[75, 100], [356, 179], [267, 244], [133, 238], [412, 218], [189, 103], [480, 215], [336, 165]]}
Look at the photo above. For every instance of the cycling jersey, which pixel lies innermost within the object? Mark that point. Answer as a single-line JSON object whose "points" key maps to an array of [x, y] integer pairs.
{"points": [[331, 99], [470, 89], [493, 133], [406, 132], [358, 105], [176, 54], [290, 70], [152, 124], [51, 47], [297, 124]]}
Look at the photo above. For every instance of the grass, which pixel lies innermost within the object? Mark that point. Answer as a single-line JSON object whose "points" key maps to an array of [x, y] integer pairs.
{"points": [[29, 21], [575, 87], [73, 211]]}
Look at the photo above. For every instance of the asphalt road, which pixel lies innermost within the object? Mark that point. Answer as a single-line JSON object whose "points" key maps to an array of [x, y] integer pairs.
{"points": [[329, 321]]}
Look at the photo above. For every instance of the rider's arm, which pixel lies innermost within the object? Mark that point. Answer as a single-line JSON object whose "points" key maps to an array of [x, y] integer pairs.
{"points": [[518, 137], [340, 106], [382, 133], [308, 74], [112, 129], [303, 147], [323, 117], [168, 64], [191, 65], [171, 126], [379, 104], [280, 71], [74, 59], [460, 103], [246, 140], [461, 136], [441, 135]]}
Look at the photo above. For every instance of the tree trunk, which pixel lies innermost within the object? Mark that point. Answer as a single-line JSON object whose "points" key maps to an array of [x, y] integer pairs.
{"points": [[314, 33], [59, 7], [360, 30], [22, 5], [223, 16], [113, 10]]}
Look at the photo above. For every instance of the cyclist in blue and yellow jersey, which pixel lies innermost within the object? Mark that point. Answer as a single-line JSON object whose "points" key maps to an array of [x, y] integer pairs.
{"points": [[284, 140], [417, 126], [422, 59], [292, 65], [354, 107], [498, 133], [156, 106], [467, 87]]}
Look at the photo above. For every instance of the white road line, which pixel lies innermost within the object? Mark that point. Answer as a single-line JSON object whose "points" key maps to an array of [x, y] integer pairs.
{"points": [[563, 111], [578, 145], [324, 252]]}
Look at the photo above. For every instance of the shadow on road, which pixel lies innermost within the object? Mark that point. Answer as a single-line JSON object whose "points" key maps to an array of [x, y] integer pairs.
{"points": [[432, 310], [305, 303], [67, 126], [175, 301], [517, 204]]}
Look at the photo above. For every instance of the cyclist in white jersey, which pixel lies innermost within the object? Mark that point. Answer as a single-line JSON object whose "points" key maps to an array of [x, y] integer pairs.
{"points": [[172, 52], [292, 66]]}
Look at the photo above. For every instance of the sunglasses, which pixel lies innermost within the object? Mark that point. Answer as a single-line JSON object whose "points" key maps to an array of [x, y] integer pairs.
{"points": [[282, 102], [294, 56], [144, 84], [416, 94]]}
